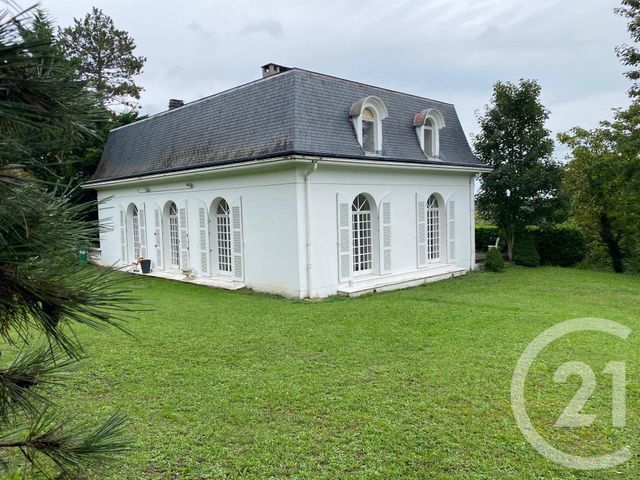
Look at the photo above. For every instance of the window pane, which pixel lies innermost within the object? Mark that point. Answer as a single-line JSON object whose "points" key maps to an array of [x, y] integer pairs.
{"points": [[367, 136], [428, 142]]}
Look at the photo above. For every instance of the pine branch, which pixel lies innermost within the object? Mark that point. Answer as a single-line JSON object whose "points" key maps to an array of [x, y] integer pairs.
{"points": [[71, 448], [22, 381]]}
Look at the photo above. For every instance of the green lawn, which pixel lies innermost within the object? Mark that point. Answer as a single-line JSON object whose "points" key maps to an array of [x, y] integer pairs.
{"points": [[407, 384]]}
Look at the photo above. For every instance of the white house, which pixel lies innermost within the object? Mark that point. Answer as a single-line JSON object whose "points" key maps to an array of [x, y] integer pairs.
{"points": [[299, 184]]}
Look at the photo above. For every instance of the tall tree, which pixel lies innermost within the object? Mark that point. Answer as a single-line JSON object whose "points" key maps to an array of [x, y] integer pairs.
{"points": [[44, 292], [603, 178], [104, 56], [524, 186], [629, 55]]}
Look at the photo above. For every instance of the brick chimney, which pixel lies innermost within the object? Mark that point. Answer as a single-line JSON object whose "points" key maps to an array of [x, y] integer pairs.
{"points": [[273, 69], [175, 103]]}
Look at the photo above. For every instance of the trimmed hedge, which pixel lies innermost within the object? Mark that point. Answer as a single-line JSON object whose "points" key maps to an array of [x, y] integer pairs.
{"points": [[486, 235], [525, 252], [494, 261], [561, 245]]}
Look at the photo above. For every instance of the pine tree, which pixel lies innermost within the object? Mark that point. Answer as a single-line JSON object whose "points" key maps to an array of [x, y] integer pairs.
{"points": [[44, 292], [104, 56]]}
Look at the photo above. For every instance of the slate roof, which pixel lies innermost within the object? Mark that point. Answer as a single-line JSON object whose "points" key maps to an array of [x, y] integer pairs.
{"points": [[295, 112]]}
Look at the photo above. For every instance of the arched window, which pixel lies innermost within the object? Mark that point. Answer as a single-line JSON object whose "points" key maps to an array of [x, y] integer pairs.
{"points": [[362, 229], [367, 115], [135, 231], [223, 236], [433, 229], [428, 123], [368, 131], [429, 136], [174, 238]]}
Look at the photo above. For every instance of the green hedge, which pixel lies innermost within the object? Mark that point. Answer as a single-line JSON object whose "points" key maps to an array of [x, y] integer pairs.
{"points": [[486, 235], [494, 261], [525, 252], [561, 245]]}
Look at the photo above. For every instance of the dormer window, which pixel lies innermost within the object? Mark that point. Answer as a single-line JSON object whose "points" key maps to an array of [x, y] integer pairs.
{"points": [[428, 123], [368, 131], [367, 115], [429, 138]]}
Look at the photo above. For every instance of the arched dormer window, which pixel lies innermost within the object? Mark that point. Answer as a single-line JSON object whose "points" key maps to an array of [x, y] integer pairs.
{"points": [[367, 115], [428, 123]]}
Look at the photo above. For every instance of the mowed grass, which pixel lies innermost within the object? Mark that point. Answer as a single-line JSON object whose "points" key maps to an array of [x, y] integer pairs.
{"points": [[411, 384]]}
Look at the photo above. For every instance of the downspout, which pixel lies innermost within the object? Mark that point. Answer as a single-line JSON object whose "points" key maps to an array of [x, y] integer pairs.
{"points": [[307, 219], [472, 222]]}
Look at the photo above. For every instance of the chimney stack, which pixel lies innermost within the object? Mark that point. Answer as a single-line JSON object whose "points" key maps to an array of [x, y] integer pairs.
{"points": [[175, 103], [271, 69]]}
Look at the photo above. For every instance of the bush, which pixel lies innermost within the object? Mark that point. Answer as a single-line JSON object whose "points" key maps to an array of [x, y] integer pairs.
{"points": [[562, 245], [524, 251], [494, 261], [486, 235]]}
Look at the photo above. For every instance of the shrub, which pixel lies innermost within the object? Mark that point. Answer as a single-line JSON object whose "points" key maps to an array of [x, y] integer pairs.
{"points": [[494, 261], [524, 251], [486, 235], [562, 245]]}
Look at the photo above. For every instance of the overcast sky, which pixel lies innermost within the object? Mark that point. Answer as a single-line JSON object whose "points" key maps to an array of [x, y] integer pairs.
{"points": [[450, 50]]}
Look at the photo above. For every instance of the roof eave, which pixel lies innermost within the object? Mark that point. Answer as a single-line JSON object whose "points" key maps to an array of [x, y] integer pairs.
{"points": [[288, 157]]}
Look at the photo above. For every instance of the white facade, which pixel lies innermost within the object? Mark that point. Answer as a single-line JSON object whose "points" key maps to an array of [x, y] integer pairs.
{"points": [[286, 226]]}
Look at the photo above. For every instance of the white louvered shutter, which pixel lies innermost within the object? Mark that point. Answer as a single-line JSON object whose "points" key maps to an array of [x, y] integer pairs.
{"points": [[157, 235], [452, 229], [421, 231], [203, 224], [123, 236], [385, 235], [142, 227], [237, 240], [183, 220], [344, 238]]}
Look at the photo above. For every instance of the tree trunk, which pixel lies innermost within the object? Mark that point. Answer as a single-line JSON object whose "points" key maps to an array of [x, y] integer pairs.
{"points": [[612, 242], [510, 242]]}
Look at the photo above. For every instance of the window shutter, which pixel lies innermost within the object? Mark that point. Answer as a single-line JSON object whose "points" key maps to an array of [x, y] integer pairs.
{"points": [[452, 229], [123, 236], [203, 222], [421, 231], [385, 235], [184, 235], [344, 238], [142, 227], [157, 235], [237, 241]]}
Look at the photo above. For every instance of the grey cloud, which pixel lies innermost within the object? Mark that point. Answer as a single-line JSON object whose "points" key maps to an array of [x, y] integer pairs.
{"points": [[270, 27]]}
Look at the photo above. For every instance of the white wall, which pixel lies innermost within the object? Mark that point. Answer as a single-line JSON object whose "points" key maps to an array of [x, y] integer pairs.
{"points": [[273, 218], [269, 221], [402, 186]]}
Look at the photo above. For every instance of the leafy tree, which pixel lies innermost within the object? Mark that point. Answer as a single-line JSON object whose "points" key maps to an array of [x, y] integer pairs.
{"points": [[43, 290], [629, 55], [603, 178], [524, 186], [104, 56]]}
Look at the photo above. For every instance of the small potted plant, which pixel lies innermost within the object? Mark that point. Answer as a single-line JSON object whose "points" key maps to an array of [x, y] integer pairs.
{"points": [[145, 264]]}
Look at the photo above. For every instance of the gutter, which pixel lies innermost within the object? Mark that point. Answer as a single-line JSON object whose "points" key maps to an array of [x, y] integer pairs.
{"points": [[307, 220], [290, 157]]}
